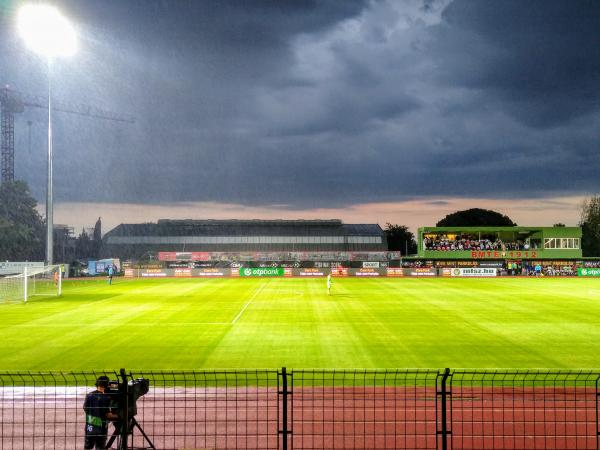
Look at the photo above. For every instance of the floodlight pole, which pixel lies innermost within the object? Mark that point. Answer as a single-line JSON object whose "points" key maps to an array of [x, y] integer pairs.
{"points": [[49, 34], [49, 188]]}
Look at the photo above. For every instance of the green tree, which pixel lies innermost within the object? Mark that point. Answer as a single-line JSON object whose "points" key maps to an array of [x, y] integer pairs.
{"points": [[21, 226], [590, 226], [84, 246], [400, 238], [98, 238], [476, 217]]}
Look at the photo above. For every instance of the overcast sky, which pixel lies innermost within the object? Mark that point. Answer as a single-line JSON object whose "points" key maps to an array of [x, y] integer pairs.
{"points": [[373, 111]]}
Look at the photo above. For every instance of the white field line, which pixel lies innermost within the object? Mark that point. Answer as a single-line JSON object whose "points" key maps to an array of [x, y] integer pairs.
{"points": [[236, 318], [133, 325]]}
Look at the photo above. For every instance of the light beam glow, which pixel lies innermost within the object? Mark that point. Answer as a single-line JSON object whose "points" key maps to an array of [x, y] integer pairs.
{"points": [[46, 31]]}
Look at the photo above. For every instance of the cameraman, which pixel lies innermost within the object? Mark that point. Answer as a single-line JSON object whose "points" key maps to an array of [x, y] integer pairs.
{"points": [[97, 407]]}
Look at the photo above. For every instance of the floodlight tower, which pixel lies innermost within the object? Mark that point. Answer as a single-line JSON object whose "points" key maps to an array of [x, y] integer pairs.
{"points": [[8, 107], [48, 33]]}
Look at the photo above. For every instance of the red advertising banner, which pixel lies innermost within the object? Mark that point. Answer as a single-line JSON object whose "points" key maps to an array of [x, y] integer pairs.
{"points": [[167, 256]]}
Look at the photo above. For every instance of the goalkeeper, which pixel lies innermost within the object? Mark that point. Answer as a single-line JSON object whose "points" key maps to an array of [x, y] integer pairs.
{"points": [[110, 273]]}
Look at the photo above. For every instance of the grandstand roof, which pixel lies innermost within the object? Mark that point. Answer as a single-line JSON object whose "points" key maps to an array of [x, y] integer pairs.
{"points": [[168, 227]]}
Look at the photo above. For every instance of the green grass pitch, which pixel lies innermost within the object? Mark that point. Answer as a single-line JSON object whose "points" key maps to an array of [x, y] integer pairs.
{"points": [[268, 323]]}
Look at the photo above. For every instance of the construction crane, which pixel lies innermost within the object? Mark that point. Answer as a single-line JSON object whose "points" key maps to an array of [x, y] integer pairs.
{"points": [[14, 102]]}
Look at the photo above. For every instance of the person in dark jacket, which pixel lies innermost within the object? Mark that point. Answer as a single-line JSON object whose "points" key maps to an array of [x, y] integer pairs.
{"points": [[97, 407]]}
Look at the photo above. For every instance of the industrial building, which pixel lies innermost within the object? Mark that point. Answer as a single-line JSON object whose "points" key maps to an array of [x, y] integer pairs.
{"points": [[135, 241]]}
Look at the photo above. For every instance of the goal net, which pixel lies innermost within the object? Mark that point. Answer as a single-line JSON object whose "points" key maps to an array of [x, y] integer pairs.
{"points": [[33, 282]]}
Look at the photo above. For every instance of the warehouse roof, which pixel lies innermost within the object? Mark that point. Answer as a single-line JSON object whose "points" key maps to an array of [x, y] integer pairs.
{"points": [[187, 227]]}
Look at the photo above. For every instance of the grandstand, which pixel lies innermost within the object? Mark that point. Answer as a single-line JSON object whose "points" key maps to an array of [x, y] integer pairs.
{"points": [[499, 242], [136, 241]]}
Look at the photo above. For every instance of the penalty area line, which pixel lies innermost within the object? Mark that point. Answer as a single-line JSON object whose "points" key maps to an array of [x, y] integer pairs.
{"points": [[236, 318]]}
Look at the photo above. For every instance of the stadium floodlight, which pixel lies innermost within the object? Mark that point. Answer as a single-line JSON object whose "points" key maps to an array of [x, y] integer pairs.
{"points": [[48, 33]]}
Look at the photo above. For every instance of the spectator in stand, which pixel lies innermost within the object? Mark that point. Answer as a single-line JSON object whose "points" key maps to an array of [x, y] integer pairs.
{"points": [[444, 243]]}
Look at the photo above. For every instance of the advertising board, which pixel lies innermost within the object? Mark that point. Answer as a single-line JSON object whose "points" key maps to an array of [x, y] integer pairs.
{"points": [[310, 272], [395, 272], [590, 272], [595, 263], [455, 263], [182, 272], [183, 256], [420, 272], [261, 272], [339, 271], [371, 264], [366, 272], [492, 264], [213, 272], [153, 273], [473, 272], [7, 267]]}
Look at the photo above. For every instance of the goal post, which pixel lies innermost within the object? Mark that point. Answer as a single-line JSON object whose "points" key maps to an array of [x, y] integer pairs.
{"points": [[33, 282]]}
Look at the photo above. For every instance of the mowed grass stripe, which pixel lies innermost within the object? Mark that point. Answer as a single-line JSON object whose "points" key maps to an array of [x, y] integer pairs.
{"points": [[250, 323]]}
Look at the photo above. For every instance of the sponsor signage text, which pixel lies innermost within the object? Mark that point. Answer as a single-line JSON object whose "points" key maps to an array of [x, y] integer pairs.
{"points": [[473, 272], [589, 272], [262, 271]]}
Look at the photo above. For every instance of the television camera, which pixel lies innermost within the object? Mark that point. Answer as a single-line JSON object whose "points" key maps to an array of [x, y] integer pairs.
{"points": [[124, 396]]}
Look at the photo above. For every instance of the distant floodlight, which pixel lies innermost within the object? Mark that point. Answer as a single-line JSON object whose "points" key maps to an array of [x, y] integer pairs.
{"points": [[46, 31]]}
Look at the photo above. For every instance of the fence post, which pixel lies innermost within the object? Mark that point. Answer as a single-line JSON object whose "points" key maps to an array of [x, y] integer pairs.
{"points": [[25, 284], [284, 431], [597, 414], [444, 432], [124, 394]]}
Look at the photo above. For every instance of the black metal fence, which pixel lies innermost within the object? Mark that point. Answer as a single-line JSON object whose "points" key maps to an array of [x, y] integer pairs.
{"points": [[312, 409]]}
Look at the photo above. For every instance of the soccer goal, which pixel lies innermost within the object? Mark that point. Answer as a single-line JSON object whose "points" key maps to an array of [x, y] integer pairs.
{"points": [[33, 282]]}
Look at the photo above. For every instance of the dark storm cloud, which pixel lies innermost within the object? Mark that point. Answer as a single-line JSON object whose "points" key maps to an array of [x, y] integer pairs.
{"points": [[540, 58], [308, 104]]}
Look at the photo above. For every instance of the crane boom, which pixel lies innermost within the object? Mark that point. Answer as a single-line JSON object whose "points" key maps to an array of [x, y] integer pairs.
{"points": [[37, 101], [13, 102]]}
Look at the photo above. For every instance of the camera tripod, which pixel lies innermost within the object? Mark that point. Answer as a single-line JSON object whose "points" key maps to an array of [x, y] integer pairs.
{"points": [[122, 445]]}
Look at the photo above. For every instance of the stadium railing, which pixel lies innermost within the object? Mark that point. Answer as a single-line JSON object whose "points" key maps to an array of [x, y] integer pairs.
{"points": [[313, 409]]}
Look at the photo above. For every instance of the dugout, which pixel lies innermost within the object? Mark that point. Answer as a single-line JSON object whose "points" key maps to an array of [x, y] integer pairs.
{"points": [[138, 241]]}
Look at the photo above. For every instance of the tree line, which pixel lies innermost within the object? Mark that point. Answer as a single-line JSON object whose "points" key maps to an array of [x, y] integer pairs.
{"points": [[22, 228]]}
